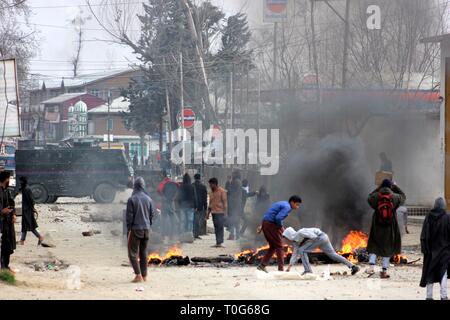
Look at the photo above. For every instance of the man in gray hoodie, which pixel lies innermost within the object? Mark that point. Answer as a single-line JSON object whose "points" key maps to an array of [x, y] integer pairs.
{"points": [[140, 211], [306, 240]]}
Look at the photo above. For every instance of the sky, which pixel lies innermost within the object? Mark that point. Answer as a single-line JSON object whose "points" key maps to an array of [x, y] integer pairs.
{"points": [[57, 38]]}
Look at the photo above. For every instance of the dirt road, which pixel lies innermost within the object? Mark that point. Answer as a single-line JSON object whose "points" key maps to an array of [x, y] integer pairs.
{"points": [[99, 268]]}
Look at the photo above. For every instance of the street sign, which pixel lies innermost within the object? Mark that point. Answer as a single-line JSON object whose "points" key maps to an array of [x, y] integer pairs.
{"points": [[275, 10], [189, 118]]}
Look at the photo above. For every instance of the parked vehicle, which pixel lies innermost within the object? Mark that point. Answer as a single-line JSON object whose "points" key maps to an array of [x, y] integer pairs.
{"points": [[74, 172]]}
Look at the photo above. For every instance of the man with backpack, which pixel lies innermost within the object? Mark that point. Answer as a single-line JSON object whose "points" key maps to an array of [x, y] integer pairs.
{"points": [[385, 238]]}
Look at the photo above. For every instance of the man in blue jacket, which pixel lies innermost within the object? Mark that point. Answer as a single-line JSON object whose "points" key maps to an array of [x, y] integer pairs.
{"points": [[272, 227]]}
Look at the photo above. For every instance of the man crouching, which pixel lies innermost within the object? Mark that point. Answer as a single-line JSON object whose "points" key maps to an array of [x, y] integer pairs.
{"points": [[139, 220], [306, 240]]}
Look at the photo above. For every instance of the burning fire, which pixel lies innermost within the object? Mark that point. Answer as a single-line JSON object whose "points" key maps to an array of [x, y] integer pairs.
{"points": [[172, 252], [353, 241], [400, 259]]}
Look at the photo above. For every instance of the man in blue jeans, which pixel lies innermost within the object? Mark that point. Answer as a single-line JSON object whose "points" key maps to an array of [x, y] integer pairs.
{"points": [[306, 240]]}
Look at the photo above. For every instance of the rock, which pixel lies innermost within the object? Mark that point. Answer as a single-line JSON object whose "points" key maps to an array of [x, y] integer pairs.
{"points": [[55, 208], [96, 232], [56, 269], [57, 220], [48, 242], [86, 219], [237, 284], [87, 234], [187, 238], [86, 208]]}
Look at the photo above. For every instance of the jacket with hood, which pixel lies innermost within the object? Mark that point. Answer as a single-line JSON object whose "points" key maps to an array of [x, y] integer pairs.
{"points": [[385, 240], [299, 238], [140, 209], [435, 243]]}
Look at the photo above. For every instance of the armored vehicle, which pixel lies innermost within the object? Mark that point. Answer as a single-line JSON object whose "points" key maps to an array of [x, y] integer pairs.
{"points": [[74, 172]]}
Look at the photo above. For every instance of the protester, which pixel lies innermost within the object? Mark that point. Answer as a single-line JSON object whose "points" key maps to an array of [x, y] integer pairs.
{"points": [[28, 213], [384, 239], [234, 206], [218, 208], [305, 241], [245, 195], [402, 218], [186, 203], [140, 212], [135, 161], [168, 190], [272, 227], [435, 243], [201, 205], [8, 218]]}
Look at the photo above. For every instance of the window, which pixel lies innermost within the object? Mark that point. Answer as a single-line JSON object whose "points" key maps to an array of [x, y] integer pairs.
{"points": [[95, 93]]}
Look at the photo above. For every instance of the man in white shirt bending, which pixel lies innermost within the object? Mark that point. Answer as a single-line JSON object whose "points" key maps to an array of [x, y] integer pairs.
{"points": [[306, 240]]}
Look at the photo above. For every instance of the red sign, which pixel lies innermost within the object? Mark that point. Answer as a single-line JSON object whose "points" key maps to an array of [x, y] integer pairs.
{"points": [[275, 10], [189, 118]]}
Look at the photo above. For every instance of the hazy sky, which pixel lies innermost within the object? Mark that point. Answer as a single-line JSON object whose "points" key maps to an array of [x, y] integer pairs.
{"points": [[51, 18]]}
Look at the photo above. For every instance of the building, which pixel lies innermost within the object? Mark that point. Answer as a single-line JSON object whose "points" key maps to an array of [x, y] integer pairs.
{"points": [[54, 115], [107, 120], [97, 84]]}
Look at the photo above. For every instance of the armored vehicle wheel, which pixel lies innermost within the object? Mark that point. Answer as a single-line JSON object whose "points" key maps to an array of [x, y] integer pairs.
{"points": [[104, 193], [52, 199], [40, 193]]}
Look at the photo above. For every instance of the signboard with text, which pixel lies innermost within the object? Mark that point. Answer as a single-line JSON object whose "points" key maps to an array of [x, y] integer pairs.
{"points": [[275, 10]]}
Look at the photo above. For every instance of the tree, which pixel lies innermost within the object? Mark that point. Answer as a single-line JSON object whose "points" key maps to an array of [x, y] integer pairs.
{"points": [[146, 98], [78, 23]]}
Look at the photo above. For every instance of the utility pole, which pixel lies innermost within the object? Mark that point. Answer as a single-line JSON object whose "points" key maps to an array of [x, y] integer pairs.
{"points": [[275, 51], [182, 108], [259, 99], [316, 69], [169, 112], [232, 95], [346, 36], [346, 20], [109, 119]]}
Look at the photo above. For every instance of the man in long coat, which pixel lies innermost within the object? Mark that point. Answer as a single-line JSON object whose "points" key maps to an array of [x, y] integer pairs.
{"points": [[8, 218], [435, 243], [385, 238], [28, 213]]}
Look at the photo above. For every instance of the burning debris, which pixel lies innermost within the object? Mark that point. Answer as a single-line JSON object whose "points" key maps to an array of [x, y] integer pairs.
{"points": [[174, 257], [353, 248]]}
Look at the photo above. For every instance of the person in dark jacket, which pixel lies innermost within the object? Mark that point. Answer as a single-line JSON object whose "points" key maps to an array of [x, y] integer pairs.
{"points": [[140, 211], [435, 243], [7, 220], [201, 205], [384, 238], [234, 206], [272, 227], [186, 203], [28, 213]]}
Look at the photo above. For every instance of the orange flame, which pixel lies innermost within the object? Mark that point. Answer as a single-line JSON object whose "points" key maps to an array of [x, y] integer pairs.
{"points": [[172, 252], [353, 241]]}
